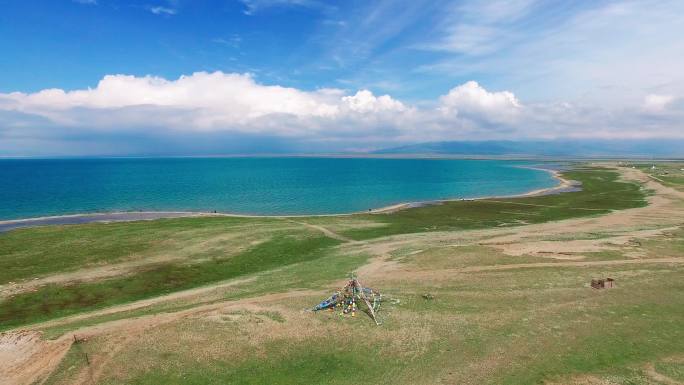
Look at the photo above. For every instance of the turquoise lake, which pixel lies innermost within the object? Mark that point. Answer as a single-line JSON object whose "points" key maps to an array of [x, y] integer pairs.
{"points": [[267, 186]]}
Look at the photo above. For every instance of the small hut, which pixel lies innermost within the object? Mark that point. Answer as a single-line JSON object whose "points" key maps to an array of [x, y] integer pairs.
{"points": [[607, 283]]}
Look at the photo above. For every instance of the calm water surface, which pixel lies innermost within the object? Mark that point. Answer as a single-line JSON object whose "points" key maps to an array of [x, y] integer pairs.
{"points": [[42, 187]]}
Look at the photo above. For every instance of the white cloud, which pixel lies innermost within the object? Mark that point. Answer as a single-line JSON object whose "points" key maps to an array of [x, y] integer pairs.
{"points": [[233, 41], [609, 53], [365, 102], [470, 99], [223, 104], [201, 101], [476, 27], [657, 103], [159, 10], [213, 100], [253, 6]]}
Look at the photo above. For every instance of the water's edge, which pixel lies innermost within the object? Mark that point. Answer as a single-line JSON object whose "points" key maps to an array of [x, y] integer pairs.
{"points": [[563, 185]]}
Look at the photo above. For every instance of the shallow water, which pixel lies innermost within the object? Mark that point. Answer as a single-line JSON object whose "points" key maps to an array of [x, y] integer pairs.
{"points": [[267, 186]]}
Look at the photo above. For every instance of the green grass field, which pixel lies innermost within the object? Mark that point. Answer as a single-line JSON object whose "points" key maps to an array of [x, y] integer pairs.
{"points": [[533, 326], [669, 173], [524, 324], [209, 253], [601, 192]]}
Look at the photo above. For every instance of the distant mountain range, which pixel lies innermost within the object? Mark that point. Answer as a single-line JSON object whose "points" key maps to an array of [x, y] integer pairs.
{"points": [[650, 148]]}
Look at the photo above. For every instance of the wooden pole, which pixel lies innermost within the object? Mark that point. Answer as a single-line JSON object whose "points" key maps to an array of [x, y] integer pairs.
{"points": [[365, 299]]}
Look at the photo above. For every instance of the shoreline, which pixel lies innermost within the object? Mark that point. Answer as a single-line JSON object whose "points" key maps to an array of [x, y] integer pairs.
{"points": [[131, 216], [563, 186]]}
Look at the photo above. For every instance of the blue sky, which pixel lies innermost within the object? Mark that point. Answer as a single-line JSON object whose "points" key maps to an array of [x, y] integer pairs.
{"points": [[103, 76], [305, 44]]}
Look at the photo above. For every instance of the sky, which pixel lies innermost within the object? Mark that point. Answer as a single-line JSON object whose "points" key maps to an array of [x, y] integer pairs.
{"points": [[189, 77]]}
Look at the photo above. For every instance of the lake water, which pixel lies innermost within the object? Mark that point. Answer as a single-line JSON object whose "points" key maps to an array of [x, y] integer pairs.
{"points": [[275, 186]]}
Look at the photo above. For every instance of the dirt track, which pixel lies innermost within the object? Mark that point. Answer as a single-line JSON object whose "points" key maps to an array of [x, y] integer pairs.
{"points": [[664, 212], [25, 357], [327, 232]]}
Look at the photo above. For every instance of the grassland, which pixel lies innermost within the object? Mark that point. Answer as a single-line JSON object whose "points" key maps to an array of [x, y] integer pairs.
{"points": [[601, 192], [668, 173], [220, 300], [210, 255]]}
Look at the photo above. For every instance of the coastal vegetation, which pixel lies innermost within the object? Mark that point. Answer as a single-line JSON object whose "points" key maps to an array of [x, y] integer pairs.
{"points": [[600, 193], [206, 250], [221, 299]]}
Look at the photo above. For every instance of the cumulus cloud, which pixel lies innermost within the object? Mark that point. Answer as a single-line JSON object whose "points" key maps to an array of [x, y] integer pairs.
{"points": [[472, 100], [199, 102], [214, 107], [364, 101], [215, 99]]}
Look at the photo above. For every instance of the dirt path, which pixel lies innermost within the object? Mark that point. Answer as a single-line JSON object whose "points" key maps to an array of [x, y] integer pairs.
{"points": [[471, 269], [327, 232], [664, 212], [660, 378], [129, 265], [179, 295], [83, 275], [572, 248], [26, 358], [450, 273]]}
